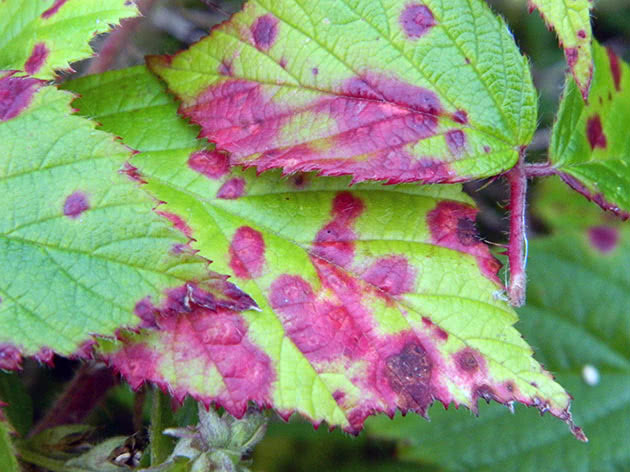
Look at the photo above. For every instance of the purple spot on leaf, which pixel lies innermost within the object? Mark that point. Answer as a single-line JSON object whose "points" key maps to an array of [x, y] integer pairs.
{"points": [[604, 238], [75, 205], [416, 20], [265, 30], [595, 133]]}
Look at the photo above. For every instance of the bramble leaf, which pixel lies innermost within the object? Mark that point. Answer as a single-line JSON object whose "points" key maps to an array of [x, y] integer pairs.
{"points": [[572, 22], [371, 298], [81, 250], [590, 148], [582, 292], [392, 90], [43, 36]]}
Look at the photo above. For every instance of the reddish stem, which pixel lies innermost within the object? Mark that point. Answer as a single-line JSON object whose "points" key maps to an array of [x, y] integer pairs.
{"points": [[539, 170], [517, 248], [89, 386]]}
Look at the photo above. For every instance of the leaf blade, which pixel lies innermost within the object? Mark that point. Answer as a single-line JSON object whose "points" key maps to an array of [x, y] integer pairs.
{"points": [[377, 90]]}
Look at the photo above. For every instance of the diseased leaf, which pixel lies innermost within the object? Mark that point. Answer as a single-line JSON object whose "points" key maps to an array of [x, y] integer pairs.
{"points": [[589, 144], [371, 299], [81, 250], [577, 317], [572, 22], [392, 90], [43, 36], [8, 461]]}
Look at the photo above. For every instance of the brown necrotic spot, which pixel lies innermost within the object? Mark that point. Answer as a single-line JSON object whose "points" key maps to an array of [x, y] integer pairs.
{"points": [[36, 59], [595, 133], [409, 375], [467, 231], [603, 238], [416, 20], [75, 205], [265, 31]]}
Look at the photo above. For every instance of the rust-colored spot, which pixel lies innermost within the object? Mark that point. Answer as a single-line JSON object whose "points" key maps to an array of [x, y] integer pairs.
{"points": [[409, 375], [604, 238], [416, 20], [247, 253], [595, 133], [36, 59], [265, 31], [75, 205], [232, 189], [615, 68]]}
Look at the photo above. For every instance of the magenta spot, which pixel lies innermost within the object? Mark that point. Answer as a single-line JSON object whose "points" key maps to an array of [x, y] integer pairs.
{"points": [[10, 357], [456, 141], [468, 361], [75, 205], [15, 95], [460, 116], [452, 225], [338, 396], [45, 355], [264, 31], [487, 149], [54, 8], [247, 253], [36, 59], [315, 71], [177, 221], [232, 189], [572, 56], [416, 20], [581, 34], [604, 238], [615, 68], [299, 181], [283, 62], [133, 173], [443, 335], [393, 275], [212, 164], [335, 241], [225, 68], [595, 133]]}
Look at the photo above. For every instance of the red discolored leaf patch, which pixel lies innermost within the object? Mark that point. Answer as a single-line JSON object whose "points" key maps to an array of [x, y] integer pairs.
{"points": [[36, 59], [595, 133], [15, 94], [604, 238], [75, 205], [416, 20], [247, 253], [53, 9], [615, 69]]}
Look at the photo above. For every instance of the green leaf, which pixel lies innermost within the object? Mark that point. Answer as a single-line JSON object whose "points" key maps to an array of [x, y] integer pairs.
{"points": [[43, 36], [371, 298], [590, 148], [19, 409], [81, 250], [572, 22], [8, 461], [577, 317], [393, 90]]}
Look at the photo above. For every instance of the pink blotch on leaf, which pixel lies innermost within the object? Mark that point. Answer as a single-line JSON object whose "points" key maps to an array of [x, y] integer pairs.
{"points": [[15, 95], [10, 357], [595, 133], [468, 361], [572, 56], [456, 141], [75, 205], [36, 59], [393, 275], [53, 9], [232, 189], [247, 253], [178, 222], [416, 20], [581, 34], [603, 238], [615, 68], [265, 31], [452, 225], [460, 116], [212, 164]]}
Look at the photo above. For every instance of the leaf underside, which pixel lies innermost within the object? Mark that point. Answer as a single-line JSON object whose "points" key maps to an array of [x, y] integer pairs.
{"points": [[572, 22], [578, 286], [590, 148], [40, 37], [81, 249], [371, 299], [391, 90]]}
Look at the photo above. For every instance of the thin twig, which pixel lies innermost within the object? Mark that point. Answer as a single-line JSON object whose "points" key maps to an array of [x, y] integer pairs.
{"points": [[517, 248]]}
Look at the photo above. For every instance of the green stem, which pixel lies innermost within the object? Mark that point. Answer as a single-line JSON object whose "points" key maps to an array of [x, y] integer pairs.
{"points": [[161, 418]]}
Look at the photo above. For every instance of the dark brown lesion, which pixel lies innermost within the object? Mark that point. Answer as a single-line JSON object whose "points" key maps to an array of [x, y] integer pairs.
{"points": [[409, 375]]}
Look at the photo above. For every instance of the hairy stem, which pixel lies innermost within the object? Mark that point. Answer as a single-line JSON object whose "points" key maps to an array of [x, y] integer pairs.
{"points": [[517, 248], [539, 170], [89, 386]]}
